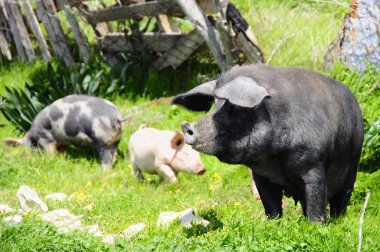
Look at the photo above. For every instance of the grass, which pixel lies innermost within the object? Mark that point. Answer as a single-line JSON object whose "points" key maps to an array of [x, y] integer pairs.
{"points": [[119, 200]]}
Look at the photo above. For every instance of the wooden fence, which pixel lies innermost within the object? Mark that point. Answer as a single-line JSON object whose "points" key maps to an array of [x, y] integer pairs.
{"points": [[22, 25], [227, 34]]}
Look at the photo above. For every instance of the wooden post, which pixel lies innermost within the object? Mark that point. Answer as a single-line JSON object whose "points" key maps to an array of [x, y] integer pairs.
{"points": [[81, 42], [34, 25], [57, 29], [14, 30], [203, 25]]}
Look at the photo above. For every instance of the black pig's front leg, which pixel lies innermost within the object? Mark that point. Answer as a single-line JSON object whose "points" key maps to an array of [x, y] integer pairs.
{"points": [[271, 196]]}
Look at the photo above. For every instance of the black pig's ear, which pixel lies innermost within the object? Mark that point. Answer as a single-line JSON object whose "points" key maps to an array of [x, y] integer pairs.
{"points": [[243, 92], [199, 98]]}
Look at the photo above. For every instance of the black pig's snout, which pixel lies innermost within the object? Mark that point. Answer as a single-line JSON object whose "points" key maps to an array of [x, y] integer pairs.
{"points": [[189, 132]]}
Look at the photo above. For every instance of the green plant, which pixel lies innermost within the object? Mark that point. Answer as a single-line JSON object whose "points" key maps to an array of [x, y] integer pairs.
{"points": [[56, 81], [362, 86], [197, 229]]}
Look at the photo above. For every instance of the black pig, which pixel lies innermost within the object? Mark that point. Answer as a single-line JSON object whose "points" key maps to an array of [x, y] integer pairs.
{"points": [[79, 120], [300, 133]]}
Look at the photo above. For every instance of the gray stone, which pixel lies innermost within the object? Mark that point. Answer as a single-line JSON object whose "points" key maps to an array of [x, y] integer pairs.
{"points": [[186, 216], [4, 209], [63, 220], [29, 200], [56, 196], [133, 229], [110, 239], [15, 219], [165, 218]]}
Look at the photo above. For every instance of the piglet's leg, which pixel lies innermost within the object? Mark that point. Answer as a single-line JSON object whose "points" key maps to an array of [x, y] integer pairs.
{"points": [[166, 171], [138, 172]]}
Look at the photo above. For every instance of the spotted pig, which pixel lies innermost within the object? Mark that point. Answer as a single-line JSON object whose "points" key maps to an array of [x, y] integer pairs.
{"points": [[78, 120]]}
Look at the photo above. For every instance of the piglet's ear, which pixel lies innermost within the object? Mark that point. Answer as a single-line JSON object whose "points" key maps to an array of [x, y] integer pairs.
{"points": [[199, 98], [177, 140], [243, 92]]}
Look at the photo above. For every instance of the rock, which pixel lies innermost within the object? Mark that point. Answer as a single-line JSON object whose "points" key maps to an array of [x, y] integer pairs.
{"points": [[165, 218], [29, 200], [196, 221], [186, 216], [133, 229], [110, 239], [56, 196], [94, 229], [63, 220], [4, 209], [15, 219]]}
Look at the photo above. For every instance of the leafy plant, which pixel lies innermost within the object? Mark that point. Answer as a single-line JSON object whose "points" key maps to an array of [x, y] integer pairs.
{"points": [[21, 106], [369, 99], [199, 229]]}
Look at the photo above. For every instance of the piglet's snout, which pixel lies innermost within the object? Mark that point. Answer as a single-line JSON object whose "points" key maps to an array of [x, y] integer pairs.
{"points": [[190, 134], [200, 170]]}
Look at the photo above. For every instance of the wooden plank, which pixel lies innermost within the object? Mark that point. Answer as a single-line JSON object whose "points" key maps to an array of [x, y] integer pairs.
{"points": [[166, 24], [81, 42], [14, 30], [158, 42], [41, 14], [204, 27], [184, 47], [4, 23], [4, 33], [34, 25], [152, 8], [4, 46], [24, 36], [60, 36]]}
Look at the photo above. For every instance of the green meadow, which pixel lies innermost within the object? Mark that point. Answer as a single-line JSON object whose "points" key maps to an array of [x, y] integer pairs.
{"points": [[293, 33]]}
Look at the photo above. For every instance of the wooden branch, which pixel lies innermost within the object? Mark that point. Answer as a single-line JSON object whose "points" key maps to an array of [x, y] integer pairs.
{"points": [[204, 27], [34, 25], [158, 42], [81, 42], [278, 46], [184, 47], [373, 88], [57, 29], [361, 220], [152, 8]]}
